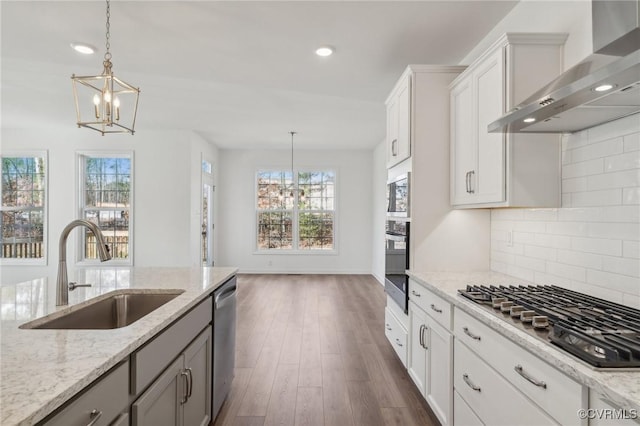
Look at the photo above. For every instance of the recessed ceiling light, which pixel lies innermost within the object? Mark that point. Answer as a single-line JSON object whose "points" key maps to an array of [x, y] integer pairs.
{"points": [[529, 120], [324, 51], [85, 49], [603, 87]]}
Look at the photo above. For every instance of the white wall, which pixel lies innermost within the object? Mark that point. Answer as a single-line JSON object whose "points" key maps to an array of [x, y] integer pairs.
{"points": [[378, 208], [591, 244], [161, 209], [237, 220]]}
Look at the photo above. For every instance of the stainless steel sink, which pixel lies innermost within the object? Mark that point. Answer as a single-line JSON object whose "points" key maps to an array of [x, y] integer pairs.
{"points": [[118, 309]]}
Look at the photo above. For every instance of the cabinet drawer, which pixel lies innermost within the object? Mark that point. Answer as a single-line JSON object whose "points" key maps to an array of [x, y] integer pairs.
{"points": [[489, 395], [109, 396], [560, 395], [438, 308], [396, 334], [149, 361], [463, 414]]}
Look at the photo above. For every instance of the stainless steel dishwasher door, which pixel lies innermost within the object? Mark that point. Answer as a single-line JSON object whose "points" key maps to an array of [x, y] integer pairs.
{"points": [[224, 342]]}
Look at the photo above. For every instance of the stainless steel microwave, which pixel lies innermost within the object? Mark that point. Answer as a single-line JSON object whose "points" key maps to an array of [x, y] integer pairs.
{"points": [[398, 193]]}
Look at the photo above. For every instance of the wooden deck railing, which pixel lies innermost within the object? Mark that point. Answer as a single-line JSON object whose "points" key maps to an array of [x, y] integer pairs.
{"points": [[25, 250], [119, 246]]}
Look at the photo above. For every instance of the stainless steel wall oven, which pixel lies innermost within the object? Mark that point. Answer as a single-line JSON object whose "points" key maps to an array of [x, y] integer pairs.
{"points": [[397, 262]]}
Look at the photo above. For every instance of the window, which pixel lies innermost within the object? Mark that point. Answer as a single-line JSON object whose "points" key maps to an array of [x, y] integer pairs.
{"points": [[106, 199], [296, 215], [24, 181]]}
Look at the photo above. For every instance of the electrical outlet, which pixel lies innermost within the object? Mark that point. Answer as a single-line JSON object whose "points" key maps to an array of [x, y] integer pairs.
{"points": [[510, 238]]}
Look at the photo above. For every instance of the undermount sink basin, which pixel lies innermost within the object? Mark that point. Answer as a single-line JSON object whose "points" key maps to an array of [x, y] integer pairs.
{"points": [[118, 309]]}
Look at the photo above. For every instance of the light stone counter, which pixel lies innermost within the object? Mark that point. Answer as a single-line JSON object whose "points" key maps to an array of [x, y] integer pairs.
{"points": [[622, 388], [41, 369]]}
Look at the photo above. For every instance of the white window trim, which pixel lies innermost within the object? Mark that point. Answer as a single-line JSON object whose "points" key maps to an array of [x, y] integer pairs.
{"points": [[296, 251], [80, 203], [45, 214]]}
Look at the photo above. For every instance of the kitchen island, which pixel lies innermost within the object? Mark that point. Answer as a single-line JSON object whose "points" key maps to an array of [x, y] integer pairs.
{"points": [[42, 369], [620, 389]]}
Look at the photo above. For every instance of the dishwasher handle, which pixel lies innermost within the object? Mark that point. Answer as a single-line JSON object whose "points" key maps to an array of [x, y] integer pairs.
{"points": [[222, 297]]}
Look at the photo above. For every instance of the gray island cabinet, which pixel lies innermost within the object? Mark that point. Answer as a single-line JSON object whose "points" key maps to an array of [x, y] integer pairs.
{"points": [[157, 370], [165, 382]]}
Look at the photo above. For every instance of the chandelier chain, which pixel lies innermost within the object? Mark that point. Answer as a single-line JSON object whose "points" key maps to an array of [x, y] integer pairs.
{"points": [[107, 55]]}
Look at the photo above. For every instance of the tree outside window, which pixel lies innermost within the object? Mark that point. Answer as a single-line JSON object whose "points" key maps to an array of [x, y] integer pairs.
{"points": [[23, 207], [295, 215], [106, 201]]}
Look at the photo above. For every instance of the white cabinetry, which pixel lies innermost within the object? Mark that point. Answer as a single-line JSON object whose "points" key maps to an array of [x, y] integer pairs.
{"points": [[396, 334], [431, 350], [398, 122], [511, 378], [603, 413], [496, 169]]}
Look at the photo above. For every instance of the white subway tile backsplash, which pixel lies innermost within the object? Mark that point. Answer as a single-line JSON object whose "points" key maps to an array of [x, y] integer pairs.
{"points": [[626, 161], [578, 258], [623, 179], [598, 150], [597, 246], [632, 142], [578, 184], [622, 283], [585, 168], [607, 197], [631, 249], [592, 243], [631, 196], [620, 231], [622, 265], [575, 273]]}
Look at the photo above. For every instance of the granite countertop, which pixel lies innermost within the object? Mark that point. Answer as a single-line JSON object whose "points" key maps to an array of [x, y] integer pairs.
{"points": [[621, 388], [41, 369]]}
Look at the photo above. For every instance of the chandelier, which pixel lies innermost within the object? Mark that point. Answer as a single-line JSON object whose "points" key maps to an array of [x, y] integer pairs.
{"points": [[292, 189], [104, 102]]}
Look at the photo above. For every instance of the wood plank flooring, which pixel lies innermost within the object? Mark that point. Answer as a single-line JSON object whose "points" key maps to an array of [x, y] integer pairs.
{"points": [[311, 350]]}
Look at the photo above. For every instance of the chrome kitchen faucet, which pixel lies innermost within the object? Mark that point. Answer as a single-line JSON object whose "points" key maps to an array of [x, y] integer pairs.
{"points": [[63, 285]]}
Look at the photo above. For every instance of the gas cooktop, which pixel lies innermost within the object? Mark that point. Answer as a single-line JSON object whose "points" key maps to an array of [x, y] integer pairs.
{"points": [[604, 334]]}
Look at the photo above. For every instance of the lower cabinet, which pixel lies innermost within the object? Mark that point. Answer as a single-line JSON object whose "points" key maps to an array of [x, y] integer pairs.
{"points": [[182, 393], [396, 334], [430, 362], [104, 402]]}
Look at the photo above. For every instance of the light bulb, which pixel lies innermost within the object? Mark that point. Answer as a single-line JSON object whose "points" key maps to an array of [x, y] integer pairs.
{"points": [[116, 103], [96, 103], [107, 96]]}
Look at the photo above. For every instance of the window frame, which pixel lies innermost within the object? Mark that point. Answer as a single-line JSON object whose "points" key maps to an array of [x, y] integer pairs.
{"points": [[44, 260], [295, 213], [81, 203]]}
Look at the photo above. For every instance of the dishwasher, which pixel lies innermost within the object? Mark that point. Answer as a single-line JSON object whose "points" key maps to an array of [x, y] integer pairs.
{"points": [[224, 343]]}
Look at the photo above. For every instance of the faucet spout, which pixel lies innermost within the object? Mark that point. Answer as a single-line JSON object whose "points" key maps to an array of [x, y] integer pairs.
{"points": [[62, 284]]}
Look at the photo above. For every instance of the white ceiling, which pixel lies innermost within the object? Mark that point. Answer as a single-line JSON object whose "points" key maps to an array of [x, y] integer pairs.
{"points": [[242, 74]]}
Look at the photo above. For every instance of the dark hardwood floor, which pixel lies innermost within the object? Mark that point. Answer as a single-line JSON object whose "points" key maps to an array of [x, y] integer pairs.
{"points": [[311, 350]]}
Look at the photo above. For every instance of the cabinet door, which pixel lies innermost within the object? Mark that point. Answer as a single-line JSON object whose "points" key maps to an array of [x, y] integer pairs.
{"points": [[463, 143], [488, 181], [418, 336], [160, 405], [404, 120], [197, 363], [440, 372], [392, 131]]}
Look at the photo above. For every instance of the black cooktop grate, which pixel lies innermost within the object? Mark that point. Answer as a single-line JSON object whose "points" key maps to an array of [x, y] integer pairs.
{"points": [[601, 333]]}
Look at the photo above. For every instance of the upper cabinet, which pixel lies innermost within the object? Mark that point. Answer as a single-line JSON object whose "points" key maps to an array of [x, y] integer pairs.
{"points": [[497, 169], [399, 122]]}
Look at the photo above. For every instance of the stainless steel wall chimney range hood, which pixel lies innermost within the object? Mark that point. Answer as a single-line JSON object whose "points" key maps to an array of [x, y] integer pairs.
{"points": [[603, 87]]}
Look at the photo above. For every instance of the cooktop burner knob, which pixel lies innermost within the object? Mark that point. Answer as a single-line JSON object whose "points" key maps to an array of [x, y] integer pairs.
{"points": [[540, 322], [506, 306], [496, 301], [527, 316], [515, 311]]}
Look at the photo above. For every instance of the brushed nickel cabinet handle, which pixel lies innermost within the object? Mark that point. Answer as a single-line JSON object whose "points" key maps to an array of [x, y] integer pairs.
{"points": [[185, 397], [398, 342], [466, 182], [470, 334], [190, 373], [471, 190], [521, 372], [415, 294], [424, 338], [394, 149], [388, 327], [94, 415], [435, 308], [468, 381]]}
